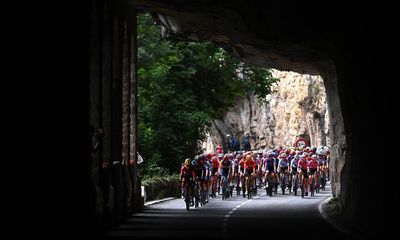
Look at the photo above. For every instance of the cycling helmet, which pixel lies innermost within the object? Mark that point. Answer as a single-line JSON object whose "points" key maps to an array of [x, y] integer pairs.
{"points": [[226, 157], [201, 157], [187, 161], [219, 149]]}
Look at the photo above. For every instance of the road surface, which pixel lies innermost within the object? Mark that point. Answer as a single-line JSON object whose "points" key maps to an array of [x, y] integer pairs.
{"points": [[282, 216]]}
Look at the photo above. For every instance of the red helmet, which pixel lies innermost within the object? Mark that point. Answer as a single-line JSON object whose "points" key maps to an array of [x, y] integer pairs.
{"points": [[219, 149]]}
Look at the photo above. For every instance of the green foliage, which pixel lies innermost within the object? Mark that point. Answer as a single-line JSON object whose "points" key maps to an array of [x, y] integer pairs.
{"points": [[182, 86], [315, 89], [158, 187], [258, 81]]}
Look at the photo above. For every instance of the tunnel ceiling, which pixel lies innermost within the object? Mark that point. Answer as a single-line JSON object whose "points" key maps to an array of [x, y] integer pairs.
{"points": [[293, 37]]}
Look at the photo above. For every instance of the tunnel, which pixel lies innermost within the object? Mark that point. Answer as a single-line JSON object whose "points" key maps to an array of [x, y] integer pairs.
{"points": [[337, 42]]}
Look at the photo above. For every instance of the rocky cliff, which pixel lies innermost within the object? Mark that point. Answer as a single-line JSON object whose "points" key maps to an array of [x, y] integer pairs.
{"points": [[298, 108]]}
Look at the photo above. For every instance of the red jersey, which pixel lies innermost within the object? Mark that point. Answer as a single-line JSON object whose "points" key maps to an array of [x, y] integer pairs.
{"points": [[241, 163], [313, 164], [249, 164], [215, 162], [187, 171], [302, 163]]}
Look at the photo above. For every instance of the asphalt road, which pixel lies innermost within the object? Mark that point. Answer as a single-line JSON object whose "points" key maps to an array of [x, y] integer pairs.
{"points": [[280, 216]]}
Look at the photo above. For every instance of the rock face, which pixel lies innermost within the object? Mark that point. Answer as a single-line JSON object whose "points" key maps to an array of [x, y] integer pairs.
{"points": [[298, 108]]}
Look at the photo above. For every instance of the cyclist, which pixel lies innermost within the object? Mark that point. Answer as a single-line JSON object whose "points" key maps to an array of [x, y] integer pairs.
{"points": [[224, 170], [200, 171], [215, 163], [270, 167], [313, 168], [283, 168], [187, 175], [303, 167], [249, 169]]}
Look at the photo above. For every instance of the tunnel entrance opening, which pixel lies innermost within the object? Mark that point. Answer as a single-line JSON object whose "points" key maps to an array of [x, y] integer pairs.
{"points": [[314, 130], [251, 49]]}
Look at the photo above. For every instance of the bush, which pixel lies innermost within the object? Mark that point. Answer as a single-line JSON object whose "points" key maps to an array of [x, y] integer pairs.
{"points": [[159, 187]]}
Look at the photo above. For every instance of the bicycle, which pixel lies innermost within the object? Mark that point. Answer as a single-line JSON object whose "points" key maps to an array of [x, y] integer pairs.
{"points": [[269, 187], [213, 186], [283, 182], [249, 186], [254, 184], [312, 185], [304, 186], [197, 190], [323, 180], [295, 183], [188, 195], [225, 190]]}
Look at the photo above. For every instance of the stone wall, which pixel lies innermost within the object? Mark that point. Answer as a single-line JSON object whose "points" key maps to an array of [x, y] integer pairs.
{"points": [[297, 108]]}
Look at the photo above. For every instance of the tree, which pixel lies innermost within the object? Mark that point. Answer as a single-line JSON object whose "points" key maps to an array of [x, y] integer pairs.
{"points": [[182, 87]]}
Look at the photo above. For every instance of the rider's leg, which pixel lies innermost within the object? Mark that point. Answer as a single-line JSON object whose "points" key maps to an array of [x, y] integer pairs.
{"points": [[183, 187]]}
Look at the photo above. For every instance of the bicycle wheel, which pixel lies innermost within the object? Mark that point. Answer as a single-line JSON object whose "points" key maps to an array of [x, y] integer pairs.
{"points": [[249, 188], [187, 198], [323, 181], [312, 186], [213, 188], [270, 186], [224, 183], [254, 186]]}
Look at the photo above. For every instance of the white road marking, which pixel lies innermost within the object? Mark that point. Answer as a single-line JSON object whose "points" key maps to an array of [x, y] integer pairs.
{"points": [[226, 217]]}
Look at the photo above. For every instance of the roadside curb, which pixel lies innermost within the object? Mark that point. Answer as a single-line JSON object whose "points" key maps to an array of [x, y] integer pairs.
{"points": [[334, 222], [158, 201]]}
